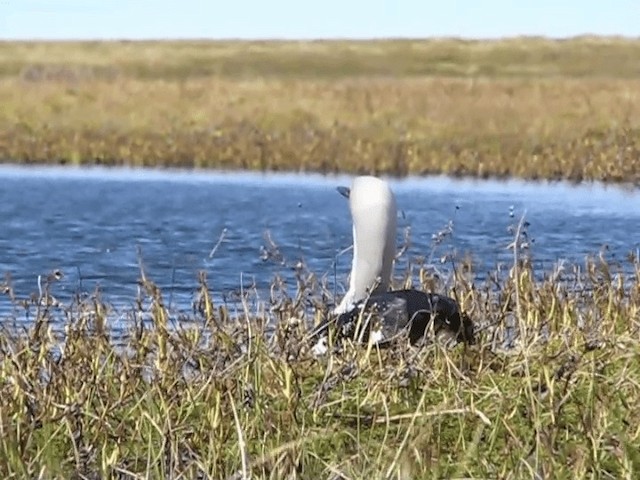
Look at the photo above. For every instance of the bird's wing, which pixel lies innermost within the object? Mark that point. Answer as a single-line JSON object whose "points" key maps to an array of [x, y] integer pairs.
{"points": [[383, 318]]}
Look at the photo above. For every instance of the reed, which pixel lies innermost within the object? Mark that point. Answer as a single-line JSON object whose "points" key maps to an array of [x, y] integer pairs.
{"points": [[551, 388], [529, 108]]}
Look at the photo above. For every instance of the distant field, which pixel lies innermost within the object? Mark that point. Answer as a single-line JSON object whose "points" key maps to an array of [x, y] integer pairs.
{"points": [[525, 107]]}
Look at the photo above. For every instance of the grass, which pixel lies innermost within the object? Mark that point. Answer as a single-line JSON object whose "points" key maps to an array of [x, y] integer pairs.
{"points": [[527, 107], [551, 388], [327, 59]]}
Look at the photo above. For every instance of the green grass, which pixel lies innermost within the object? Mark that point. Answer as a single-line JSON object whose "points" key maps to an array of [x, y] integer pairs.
{"points": [[215, 397]]}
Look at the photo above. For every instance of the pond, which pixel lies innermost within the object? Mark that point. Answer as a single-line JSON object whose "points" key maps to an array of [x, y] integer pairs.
{"points": [[97, 226]]}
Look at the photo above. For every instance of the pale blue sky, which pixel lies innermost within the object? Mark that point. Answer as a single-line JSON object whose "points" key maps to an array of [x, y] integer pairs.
{"points": [[135, 19]]}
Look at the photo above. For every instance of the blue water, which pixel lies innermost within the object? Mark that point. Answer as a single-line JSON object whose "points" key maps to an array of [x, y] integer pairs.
{"points": [[91, 223]]}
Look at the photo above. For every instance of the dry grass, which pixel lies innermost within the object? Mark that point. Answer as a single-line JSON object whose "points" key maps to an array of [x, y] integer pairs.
{"points": [[608, 57], [530, 108], [551, 389]]}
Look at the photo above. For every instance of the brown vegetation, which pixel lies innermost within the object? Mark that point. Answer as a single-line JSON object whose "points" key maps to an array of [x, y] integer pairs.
{"points": [[550, 390], [530, 108]]}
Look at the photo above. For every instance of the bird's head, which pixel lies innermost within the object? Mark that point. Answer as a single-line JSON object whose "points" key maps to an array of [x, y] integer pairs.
{"points": [[466, 330], [457, 324]]}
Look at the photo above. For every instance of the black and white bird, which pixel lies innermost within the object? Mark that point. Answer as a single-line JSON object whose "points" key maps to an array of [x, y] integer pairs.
{"points": [[368, 310]]}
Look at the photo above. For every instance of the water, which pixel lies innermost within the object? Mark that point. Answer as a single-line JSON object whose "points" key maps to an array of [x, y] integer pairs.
{"points": [[91, 224]]}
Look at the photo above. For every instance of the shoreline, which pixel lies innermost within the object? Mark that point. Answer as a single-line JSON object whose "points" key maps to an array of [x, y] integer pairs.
{"points": [[182, 395], [515, 108]]}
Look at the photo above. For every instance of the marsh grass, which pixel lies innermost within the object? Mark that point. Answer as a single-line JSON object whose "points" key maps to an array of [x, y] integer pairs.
{"points": [[530, 108], [328, 59], [551, 389]]}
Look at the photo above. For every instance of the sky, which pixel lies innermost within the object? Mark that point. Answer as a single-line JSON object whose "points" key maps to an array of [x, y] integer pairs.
{"points": [[309, 19]]}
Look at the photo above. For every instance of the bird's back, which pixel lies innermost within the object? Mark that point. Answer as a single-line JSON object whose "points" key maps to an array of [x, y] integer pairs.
{"points": [[389, 314]]}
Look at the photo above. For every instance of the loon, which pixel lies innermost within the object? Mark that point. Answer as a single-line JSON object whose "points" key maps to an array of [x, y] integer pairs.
{"points": [[369, 311]]}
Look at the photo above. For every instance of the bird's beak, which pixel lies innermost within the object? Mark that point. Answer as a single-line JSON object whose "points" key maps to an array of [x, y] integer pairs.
{"points": [[344, 191]]}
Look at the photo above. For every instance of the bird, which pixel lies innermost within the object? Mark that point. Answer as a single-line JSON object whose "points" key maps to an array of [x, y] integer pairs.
{"points": [[387, 315], [369, 311]]}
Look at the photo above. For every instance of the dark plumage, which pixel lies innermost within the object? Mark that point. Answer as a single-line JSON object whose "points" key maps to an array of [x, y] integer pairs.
{"points": [[391, 314]]}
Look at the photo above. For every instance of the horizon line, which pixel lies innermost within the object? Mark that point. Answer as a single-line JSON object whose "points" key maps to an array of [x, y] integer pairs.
{"points": [[582, 36]]}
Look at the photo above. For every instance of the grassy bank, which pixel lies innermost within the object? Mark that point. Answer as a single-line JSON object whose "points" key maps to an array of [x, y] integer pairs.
{"points": [[551, 389], [530, 108]]}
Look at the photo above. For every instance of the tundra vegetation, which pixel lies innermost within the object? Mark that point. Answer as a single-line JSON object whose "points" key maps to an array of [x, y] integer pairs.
{"points": [[550, 389], [525, 107]]}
